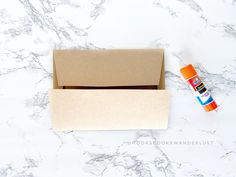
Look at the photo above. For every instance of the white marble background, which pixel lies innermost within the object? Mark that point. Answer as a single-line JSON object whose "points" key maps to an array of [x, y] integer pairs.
{"points": [[197, 31]]}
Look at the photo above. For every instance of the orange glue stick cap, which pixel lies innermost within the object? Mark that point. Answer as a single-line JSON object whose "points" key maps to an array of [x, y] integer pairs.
{"points": [[188, 71]]}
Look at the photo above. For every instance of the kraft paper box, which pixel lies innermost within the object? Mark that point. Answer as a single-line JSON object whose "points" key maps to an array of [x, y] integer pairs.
{"points": [[109, 90]]}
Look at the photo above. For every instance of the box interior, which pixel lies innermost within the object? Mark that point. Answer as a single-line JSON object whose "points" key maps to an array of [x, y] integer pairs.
{"points": [[138, 87]]}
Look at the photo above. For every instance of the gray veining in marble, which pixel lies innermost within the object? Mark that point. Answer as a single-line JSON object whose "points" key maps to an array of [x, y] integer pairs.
{"points": [[196, 144]]}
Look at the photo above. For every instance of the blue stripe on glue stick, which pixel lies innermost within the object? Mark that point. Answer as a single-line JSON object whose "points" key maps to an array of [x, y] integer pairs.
{"points": [[206, 102]]}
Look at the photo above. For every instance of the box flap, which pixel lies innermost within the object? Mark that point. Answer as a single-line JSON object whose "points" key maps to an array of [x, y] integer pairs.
{"points": [[107, 67], [75, 109]]}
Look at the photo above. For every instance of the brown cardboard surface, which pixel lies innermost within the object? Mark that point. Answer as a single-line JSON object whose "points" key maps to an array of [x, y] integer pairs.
{"points": [[109, 109], [108, 67], [109, 90]]}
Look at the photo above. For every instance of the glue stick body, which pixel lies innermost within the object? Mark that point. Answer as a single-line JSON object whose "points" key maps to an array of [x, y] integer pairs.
{"points": [[199, 89]]}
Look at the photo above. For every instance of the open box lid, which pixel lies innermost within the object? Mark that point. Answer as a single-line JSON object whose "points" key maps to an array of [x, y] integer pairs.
{"points": [[128, 67]]}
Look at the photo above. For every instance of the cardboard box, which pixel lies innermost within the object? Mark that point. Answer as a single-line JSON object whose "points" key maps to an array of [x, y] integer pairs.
{"points": [[109, 90]]}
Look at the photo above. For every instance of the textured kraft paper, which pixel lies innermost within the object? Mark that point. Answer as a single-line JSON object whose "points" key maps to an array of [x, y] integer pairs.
{"points": [[108, 109]]}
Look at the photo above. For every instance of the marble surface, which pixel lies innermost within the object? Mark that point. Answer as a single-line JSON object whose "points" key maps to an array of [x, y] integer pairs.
{"points": [[196, 144]]}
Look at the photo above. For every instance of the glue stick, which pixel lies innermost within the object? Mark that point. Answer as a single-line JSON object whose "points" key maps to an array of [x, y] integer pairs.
{"points": [[199, 89]]}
